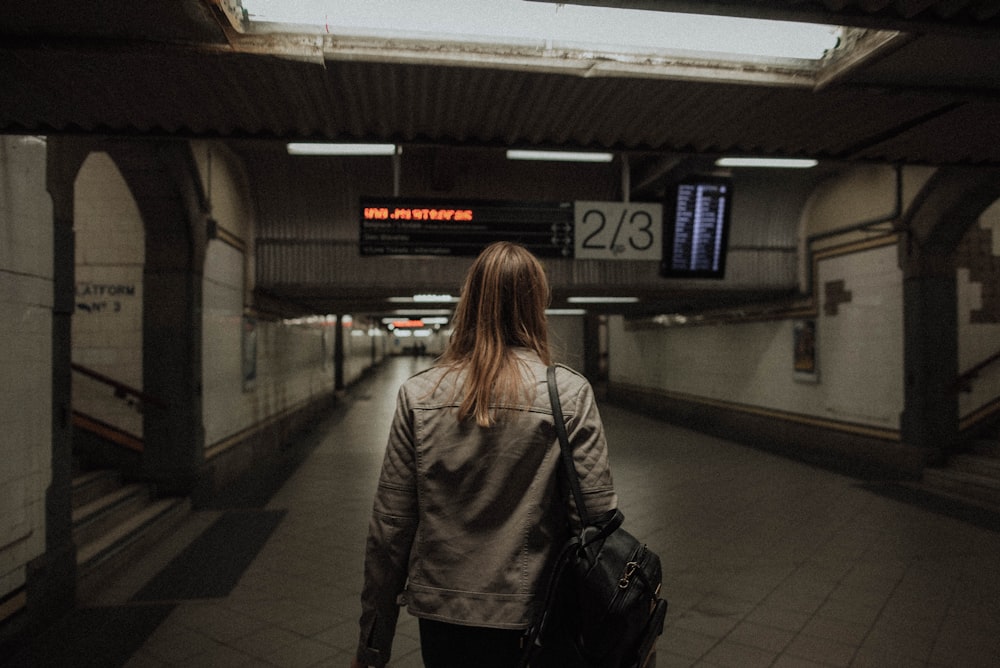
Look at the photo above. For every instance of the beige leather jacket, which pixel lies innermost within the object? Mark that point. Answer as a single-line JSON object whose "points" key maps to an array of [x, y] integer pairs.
{"points": [[465, 518]]}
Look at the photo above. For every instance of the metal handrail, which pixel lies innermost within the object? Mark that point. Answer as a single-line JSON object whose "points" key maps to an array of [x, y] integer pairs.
{"points": [[964, 381], [108, 432], [121, 390]]}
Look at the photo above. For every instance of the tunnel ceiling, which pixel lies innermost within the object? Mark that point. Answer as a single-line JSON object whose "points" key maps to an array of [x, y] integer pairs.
{"points": [[178, 69], [929, 95]]}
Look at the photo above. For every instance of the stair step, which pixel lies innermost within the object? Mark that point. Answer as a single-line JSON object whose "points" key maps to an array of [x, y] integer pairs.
{"points": [[987, 448], [107, 554], [972, 487], [113, 523], [976, 464], [101, 515], [123, 532], [92, 485]]}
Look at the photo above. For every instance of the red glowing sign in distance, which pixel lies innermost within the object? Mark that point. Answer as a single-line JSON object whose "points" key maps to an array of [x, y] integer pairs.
{"points": [[404, 324], [408, 213]]}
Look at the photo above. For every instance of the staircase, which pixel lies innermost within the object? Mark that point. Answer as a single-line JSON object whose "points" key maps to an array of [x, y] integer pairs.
{"points": [[113, 522], [972, 477]]}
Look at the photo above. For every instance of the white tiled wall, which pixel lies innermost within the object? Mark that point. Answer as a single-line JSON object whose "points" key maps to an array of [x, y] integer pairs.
{"points": [[858, 351], [365, 343], [222, 343], [290, 363], [978, 341], [107, 321], [225, 185], [25, 355], [293, 366]]}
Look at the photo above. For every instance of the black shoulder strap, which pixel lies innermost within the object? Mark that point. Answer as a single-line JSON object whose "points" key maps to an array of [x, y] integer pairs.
{"points": [[566, 451]]}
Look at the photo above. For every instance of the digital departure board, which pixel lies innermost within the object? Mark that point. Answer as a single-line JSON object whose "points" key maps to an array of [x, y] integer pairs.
{"points": [[695, 242], [398, 226]]}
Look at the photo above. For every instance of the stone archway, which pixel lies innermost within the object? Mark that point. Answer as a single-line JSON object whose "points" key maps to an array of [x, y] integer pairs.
{"points": [[164, 183], [949, 203], [163, 180]]}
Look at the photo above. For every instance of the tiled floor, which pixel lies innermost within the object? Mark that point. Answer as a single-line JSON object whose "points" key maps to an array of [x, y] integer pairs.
{"points": [[768, 562]]}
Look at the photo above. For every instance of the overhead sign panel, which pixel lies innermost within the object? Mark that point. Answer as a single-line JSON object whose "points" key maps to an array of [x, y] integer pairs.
{"points": [[582, 230], [697, 238], [618, 231], [401, 226]]}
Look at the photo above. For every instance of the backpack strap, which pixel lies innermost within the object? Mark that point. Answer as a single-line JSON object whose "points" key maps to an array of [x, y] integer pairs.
{"points": [[564, 448]]}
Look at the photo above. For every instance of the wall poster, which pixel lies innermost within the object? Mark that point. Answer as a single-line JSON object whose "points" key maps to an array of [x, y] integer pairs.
{"points": [[805, 351], [249, 353]]}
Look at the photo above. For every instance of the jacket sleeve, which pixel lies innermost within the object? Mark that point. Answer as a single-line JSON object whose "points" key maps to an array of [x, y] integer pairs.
{"points": [[390, 536], [590, 452]]}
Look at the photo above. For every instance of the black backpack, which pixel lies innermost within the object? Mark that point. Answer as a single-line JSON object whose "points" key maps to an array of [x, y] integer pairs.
{"points": [[602, 606]]}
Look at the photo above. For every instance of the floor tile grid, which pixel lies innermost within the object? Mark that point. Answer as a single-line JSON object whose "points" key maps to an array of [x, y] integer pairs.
{"points": [[767, 561]]}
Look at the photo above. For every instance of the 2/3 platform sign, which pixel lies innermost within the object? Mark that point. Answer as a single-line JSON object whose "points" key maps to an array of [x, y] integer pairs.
{"points": [[618, 231]]}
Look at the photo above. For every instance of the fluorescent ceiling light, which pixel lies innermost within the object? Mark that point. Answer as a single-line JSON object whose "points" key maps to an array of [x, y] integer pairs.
{"points": [[434, 298], [432, 320], [423, 299], [565, 311], [779, 163], [323, 320], [419, 313], [565, 156], [332, 148], [598, 30], [602, 300]]}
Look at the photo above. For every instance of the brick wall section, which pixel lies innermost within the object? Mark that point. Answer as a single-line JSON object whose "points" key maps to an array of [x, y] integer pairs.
{"points": [[975, 253]]}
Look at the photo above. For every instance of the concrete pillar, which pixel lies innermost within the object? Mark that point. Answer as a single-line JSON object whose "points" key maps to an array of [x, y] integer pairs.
{"points": [[51, 578], [164, 180], [174, 434], [930, 364], [338, 356], [937, 219], [592, 348]]}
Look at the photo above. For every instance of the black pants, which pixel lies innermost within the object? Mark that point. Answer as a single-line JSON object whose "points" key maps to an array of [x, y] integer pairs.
{"points": [[453, 646]]}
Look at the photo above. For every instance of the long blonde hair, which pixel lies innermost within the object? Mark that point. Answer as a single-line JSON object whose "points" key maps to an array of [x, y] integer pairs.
{"points": [[502, 306]]}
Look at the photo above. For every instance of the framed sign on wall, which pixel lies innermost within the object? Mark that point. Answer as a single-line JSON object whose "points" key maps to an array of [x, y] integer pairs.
{"points": [[804, 334], [618, 231]]}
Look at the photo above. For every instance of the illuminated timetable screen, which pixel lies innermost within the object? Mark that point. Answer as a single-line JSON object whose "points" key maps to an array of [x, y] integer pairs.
{"points": [[695, 243], [397, 226]]}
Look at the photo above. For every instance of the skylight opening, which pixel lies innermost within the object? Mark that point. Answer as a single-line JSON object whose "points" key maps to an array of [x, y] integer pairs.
{"points": [[550, 25]]}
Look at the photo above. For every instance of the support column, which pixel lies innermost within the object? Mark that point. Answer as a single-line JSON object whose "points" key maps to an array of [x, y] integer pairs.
{"points": [[592, 348], [51, 578], [338, 356], [930, 363], [164, 180], [171, 364], [949, 202]]}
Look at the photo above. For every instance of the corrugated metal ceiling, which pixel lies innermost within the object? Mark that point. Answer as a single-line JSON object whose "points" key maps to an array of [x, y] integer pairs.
{"points": [[166, 69]]}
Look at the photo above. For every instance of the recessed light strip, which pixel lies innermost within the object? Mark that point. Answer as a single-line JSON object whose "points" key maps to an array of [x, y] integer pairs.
{"points": [[602, 300], [565, 311], [564, 156], [332, 148], [777, 163]]}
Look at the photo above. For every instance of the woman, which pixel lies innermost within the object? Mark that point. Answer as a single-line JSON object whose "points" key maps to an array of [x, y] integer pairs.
{"points": [[469, 510]]}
